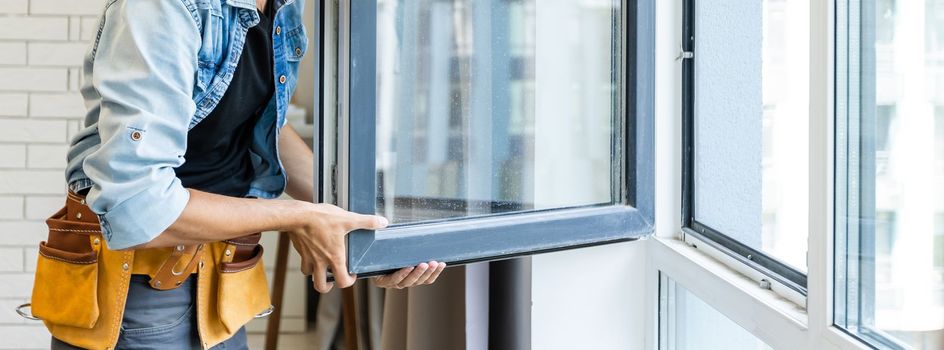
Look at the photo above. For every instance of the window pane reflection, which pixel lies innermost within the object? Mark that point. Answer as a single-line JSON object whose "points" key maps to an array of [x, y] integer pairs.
{"points": [[890, 161], [495, 106]]}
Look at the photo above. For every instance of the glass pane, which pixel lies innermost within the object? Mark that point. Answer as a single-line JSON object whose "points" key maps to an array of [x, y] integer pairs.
{"points": [[495, 106], [891, 183], [688, 323], [752, 124], [909, 80]]}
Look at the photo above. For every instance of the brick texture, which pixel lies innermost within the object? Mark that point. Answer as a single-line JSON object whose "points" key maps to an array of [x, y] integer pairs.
{"points": [[34, 28], [42, 44], [41, 49]]}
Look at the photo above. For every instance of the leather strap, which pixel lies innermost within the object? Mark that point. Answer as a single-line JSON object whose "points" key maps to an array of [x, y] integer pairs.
{"points": [[245, 246], [169, 275]]}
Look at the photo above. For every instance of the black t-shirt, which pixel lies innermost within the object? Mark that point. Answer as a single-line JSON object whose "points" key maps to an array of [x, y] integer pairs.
{"points": [[217, 158]]}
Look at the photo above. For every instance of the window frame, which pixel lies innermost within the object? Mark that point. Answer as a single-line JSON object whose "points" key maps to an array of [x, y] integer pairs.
{"points": [[730, 287], [697, 234], [465, 240]]}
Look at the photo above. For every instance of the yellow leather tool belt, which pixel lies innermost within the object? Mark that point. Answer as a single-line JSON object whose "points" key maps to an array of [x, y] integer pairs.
{"points": [[81, 286]]}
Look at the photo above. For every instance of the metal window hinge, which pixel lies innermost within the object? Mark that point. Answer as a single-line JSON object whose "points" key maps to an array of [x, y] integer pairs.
{"points": [[684, 54]]}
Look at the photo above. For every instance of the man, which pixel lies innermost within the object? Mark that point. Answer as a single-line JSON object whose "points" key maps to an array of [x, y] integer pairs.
{"points": [[185, 141]]}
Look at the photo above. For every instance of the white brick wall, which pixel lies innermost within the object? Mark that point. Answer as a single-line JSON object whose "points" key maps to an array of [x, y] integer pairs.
{"points": [[42, 43]]}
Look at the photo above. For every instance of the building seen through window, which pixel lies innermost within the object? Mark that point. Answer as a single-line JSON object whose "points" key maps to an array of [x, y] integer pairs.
{"points": [[909, 171], [496, 106]]}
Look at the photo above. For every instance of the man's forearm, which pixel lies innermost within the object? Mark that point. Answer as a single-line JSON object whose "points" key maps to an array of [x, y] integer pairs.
{"points": [[299, 164], [211, 218]]}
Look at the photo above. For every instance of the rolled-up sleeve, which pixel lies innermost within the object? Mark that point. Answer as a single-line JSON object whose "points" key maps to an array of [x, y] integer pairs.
{"points": [[144, 70]]}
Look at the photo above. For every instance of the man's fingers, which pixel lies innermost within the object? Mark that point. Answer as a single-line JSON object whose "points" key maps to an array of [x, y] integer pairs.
{"points": [[391, 280], [367, 222], [413, 276], [433, 266], [320, 279], [308, 267], [439, 270], [341, 276]]}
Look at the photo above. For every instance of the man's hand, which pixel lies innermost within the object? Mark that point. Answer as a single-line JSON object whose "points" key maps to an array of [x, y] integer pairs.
{"points": [[320, 241], [320, 238]]}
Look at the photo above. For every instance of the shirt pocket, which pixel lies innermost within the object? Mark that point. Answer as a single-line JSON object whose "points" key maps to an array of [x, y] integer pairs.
{"points": [[211, 46], [296, 44]]}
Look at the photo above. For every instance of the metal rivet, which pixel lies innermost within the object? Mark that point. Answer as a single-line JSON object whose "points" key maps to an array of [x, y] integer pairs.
{"points": [[278, 30], [82, 201], [78, 215], [157, 283], [227, 252], [96, 241], [298, 51], [282, 79], [125, 266], [136, 135], [750, 257], [179, 282], [201, 264], [180, 248]]}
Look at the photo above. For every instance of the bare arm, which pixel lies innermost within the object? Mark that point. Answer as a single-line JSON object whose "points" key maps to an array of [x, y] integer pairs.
{"points": [[211, 218], [299, 163]]}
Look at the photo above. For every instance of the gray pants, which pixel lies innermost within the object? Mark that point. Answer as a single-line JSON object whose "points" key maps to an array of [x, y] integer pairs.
{"points": [[156, 319]]}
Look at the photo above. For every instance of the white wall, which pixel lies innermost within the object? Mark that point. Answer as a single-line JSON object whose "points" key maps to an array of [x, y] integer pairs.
{"points": [[591, 298]]}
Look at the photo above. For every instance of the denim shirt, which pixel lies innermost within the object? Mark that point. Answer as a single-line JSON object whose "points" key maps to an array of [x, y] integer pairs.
{"points": [[155, 70]]}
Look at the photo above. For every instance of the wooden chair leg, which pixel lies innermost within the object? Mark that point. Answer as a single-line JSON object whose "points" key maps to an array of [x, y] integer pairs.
{"points": [[349, 317], [278, 291]]}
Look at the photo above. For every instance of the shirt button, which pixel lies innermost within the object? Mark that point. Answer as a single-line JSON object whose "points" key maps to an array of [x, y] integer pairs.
{"points": [[282, 79], [278, 30], [298, 51], [136, 135]]}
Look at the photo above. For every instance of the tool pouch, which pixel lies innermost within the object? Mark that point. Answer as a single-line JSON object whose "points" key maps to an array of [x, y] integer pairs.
{"points": [[65, 291], [242, 280]]}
